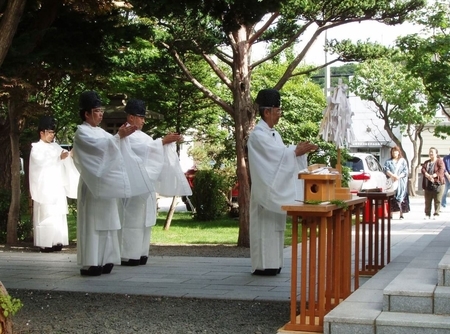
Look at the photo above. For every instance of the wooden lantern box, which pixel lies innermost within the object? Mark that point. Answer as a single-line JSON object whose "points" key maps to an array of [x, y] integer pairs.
{"points": [[319, 187]]}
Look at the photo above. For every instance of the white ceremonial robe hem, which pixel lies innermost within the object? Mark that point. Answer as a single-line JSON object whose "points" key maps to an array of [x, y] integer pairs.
{"points": [[50, 228], [266, 237], [137, 216], [135, 243], [97, 239]]}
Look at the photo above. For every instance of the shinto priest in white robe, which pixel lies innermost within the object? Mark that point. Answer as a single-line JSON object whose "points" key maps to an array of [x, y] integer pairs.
{"points": [[274, 170], [50, 178], [103, 179], [161, 165]]}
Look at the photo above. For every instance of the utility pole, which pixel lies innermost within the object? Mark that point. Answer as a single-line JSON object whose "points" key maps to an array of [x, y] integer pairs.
{"points": [[327, 70]]}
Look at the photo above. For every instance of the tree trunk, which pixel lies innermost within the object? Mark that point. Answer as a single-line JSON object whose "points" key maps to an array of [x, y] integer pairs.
{"points": [[244, 116], [414, 169], [14, 208], [414, 135], [16, 106], [8, 25], [170, 213]]}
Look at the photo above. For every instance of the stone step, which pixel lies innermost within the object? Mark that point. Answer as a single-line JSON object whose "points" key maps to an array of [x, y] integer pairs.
{"points": [[413, 289], [442, 300], [444, 270], [358, 313], [398, 322]]}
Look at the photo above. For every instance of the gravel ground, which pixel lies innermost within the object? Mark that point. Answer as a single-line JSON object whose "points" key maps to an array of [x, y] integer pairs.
{"points": [[68, 312], [73, 312]]}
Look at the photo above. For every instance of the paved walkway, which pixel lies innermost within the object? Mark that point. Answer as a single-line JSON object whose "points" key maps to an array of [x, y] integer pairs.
{"points": [[202, 277]]}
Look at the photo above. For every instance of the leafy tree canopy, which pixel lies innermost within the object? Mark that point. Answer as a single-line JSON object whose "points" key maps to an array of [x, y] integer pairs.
{"points": [[400, 98], [428, 57]]}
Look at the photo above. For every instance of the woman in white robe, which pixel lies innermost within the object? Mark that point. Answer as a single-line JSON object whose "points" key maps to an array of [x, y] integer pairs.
{"points": [[274, 168], [47, 187]]}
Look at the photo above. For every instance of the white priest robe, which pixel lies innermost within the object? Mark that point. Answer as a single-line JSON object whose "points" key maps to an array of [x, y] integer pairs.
{"points": [[138, 213], [274, 178], [47, 188], [103, 179]]}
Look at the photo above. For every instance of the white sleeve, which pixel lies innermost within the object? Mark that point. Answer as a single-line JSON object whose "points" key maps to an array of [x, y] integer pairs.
{"points": [[273, 169], [45, 173], [97, 156], [172, 181]]}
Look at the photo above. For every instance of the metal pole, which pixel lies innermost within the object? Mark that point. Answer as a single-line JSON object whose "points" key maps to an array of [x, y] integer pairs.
{"points": [[327, 70]]}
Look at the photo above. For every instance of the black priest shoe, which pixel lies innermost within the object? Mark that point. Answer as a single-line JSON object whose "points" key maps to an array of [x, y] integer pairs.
{"points": [[143, 260], [91, 271], [265, 272], [57, 247], [107, 268], [131, 262]]}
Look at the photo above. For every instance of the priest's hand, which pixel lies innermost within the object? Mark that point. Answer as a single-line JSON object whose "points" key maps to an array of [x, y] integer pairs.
{"points": [[172, 137], [304, 148], [126, 130], [64, 154]]}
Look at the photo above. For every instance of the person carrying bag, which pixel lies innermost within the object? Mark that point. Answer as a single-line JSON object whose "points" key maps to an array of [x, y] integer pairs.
{"points": [[433, 179], [396, 169]]}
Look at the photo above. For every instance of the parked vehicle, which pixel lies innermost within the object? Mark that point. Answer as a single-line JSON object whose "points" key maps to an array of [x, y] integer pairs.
{"points": [[366, 172]]}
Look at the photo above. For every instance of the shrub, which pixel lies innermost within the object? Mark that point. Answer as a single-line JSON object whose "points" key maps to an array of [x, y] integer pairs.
{"points": [[5, 200], [9, 305], [209, 195], [25, 223]]}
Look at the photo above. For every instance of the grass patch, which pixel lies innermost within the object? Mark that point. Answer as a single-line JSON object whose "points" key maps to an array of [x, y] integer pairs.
{"points": [[72, 223], [184, 230]]}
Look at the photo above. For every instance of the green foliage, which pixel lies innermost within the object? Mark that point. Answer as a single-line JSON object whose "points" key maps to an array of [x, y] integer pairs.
{"points": [[400, 98], [303, 103], [442, 131], [9, 305], [428, 57], [209, 195], [361, 51], [345, 176], [143, 71], [339, 203], [25, 228], [25, 224]]}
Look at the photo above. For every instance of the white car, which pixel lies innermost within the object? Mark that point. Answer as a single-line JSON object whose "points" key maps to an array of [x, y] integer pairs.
{"points": [[366, 172]]}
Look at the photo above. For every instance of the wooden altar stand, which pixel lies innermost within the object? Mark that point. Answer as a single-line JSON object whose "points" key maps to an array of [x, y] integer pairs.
{"points": [[326, 261], [375, 232]]}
